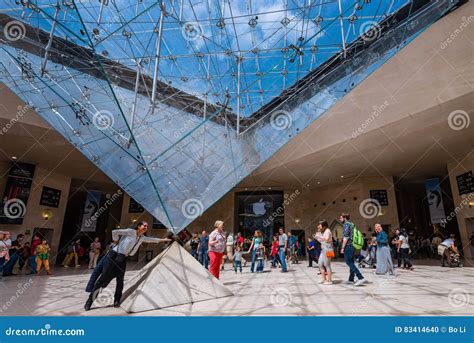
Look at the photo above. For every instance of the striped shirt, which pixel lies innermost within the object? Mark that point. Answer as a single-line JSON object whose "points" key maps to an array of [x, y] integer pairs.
{"points": [[130, 241]]}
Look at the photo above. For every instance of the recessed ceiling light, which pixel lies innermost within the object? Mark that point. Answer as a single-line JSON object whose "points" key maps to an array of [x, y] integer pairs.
{"points": [[269, 187], [14, 157], [342, 176], [319, 182]]}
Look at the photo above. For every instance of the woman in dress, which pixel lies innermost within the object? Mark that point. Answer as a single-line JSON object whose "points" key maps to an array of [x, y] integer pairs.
{"points": [[324, 236], [384, 258]]}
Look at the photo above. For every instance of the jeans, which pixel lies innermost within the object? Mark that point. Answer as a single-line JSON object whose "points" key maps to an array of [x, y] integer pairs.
{"points": [[113, 269], [281, 252], [405, 255], [254, 257], [32, 264], [238, 264], [97, 271], [398, 255], [204, 258], [194, 253], [275, 260], [349, 259], [2, 263], [8, 267], [312, 257], [260, 265]]}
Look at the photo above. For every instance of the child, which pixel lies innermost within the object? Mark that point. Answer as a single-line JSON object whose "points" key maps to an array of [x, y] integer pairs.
{"points": [[260, 257], [42, 257], [238, 258], [274, 252]]}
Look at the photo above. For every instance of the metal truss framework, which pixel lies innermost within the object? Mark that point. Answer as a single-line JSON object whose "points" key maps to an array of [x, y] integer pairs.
{"points": [[179, 100]]}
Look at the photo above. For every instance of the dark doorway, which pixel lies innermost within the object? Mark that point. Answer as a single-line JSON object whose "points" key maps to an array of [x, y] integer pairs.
{"points": [[73, 221], [262, 211], [300, 236]]}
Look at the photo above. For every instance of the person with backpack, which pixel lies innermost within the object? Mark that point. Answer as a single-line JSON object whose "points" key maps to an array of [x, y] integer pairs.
{"points": [[352, 241]]}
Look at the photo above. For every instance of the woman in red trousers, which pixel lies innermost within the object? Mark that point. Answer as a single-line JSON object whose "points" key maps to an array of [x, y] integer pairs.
{"points": [[216, 248]]}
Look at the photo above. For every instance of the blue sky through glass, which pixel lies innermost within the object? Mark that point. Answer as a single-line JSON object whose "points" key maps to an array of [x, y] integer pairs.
{"points": [[250, 50]]}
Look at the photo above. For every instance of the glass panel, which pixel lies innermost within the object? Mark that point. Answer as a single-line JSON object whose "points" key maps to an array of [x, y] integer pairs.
{"points": [[178, 101]]}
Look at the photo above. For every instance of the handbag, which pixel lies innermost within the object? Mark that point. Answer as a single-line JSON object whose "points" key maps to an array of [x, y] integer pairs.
{"points": [[330, 251]]}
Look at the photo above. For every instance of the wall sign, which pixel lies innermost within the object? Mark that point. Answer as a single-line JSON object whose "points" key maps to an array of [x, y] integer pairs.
{"points": [[156, 224], [91, 211], [380, 195], [465, 183], [135, 207], [435, 200], [50, 197], [17, 192]]}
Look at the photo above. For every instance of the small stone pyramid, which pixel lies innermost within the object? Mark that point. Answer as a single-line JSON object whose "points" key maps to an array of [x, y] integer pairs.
{"points": [[172, 278]]}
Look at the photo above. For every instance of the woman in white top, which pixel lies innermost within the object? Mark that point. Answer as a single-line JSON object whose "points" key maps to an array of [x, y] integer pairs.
{"points": [[324, 236], [94, 252], [404, 250], [217, 243]]}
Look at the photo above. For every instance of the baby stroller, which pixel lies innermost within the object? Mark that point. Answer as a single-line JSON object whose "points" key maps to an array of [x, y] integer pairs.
{"points": [[452, 257], [367, 258]]}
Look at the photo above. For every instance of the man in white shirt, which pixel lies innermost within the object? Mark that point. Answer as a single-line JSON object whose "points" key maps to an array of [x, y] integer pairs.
{"points": [[127, 243], [446, 247]]}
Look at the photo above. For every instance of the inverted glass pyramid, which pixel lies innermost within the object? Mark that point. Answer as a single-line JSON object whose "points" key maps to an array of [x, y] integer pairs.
{"points": [[179, 100]]}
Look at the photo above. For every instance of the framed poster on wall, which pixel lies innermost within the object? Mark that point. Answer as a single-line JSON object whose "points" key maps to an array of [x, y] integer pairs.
{"points": [[135, 207], [380, 195], [16, 194], [465, 183], [50, 197]]}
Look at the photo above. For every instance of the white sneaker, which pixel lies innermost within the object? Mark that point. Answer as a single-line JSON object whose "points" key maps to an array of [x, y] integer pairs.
{"points": [[360, 282], [321, 282], [327, 283]]}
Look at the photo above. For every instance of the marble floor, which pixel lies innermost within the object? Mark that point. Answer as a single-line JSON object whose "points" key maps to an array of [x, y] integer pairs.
{"points": [[429, 290]]}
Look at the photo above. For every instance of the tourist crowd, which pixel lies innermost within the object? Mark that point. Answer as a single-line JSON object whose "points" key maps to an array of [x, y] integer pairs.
{"points": [[213, 249], [357, 249]]}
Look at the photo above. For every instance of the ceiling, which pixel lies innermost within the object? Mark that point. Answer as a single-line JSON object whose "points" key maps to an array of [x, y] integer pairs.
{"points": [[410, 139]]}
